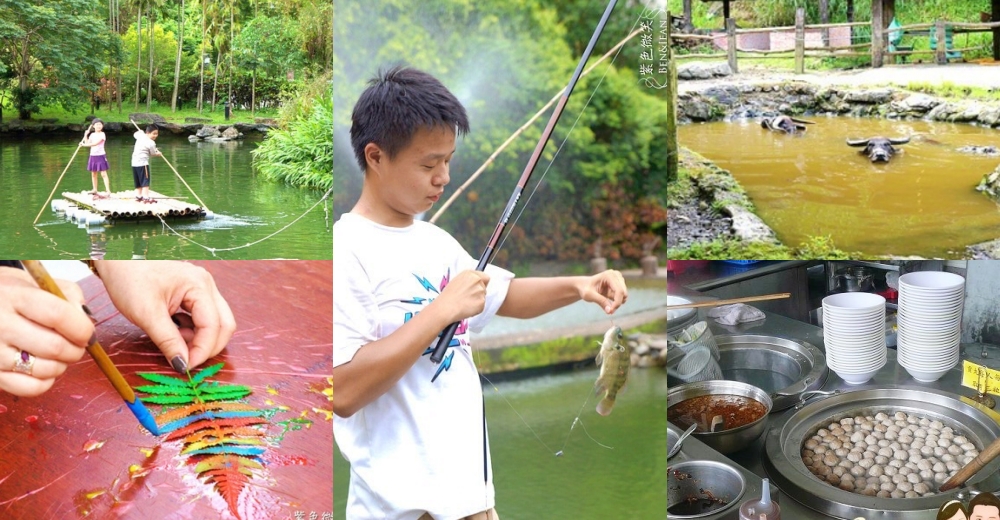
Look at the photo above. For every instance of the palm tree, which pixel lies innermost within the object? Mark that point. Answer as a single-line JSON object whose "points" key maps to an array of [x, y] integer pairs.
{"points": [[177, 61], [201, 58], [138, 48]]}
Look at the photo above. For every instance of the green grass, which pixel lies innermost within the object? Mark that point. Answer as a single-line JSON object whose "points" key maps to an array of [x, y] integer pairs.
{"points": [[950, 90], [731, 249], [108, 114]]}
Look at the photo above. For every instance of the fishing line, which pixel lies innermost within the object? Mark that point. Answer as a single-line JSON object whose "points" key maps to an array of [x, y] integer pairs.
{"points": [[519, 416], [563, 143], [213, 250]]}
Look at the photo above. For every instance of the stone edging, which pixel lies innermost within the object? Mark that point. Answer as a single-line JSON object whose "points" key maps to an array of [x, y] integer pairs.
{"points": [[751, 100]]}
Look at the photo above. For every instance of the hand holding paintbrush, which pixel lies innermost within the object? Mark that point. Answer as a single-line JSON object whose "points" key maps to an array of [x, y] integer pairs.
{"points": [[42, 278]]}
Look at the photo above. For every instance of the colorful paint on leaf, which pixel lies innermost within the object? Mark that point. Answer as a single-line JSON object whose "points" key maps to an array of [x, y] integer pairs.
{"points": [[224, 439]]}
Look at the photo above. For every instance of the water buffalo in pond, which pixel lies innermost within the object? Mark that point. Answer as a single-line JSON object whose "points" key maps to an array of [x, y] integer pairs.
{"points": [[788, 125], [878, 148]]}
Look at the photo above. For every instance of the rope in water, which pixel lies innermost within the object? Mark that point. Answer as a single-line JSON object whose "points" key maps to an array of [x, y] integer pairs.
{"points": [[213, 250]]}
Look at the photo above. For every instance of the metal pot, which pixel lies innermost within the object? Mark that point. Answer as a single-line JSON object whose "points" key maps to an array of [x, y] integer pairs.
{"points": [[856, 278], [733, 439]]}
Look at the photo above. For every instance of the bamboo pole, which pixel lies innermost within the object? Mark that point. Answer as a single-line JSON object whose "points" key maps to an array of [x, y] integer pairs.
{"points": [[691, 37], [840, 48], [54, 188], [517, 132], [175, 172], [717, 303]]}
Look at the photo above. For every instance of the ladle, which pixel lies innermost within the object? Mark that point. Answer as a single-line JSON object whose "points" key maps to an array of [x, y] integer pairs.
{"points": [[973, 466], [677, 445]]}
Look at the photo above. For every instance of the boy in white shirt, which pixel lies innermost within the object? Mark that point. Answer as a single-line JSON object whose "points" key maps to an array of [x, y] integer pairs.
{"points": [[145, 147], [417, 447]]}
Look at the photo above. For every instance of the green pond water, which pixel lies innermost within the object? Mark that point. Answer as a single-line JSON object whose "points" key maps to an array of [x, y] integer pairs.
{"points": [[922, 203], [247, 208], [587, 481]]}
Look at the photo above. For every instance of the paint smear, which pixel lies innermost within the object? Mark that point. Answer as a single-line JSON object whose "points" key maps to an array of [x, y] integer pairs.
{"points": [[255, 347], [32, 421], [92, 445], [287, 460], [147, 452], [3, 408], [272, 336], [320, 388], [271, 391], [76, 396], [327, 413]]}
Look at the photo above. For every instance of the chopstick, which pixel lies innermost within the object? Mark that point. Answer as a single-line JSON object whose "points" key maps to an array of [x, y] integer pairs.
{"points": [[716, 303]]}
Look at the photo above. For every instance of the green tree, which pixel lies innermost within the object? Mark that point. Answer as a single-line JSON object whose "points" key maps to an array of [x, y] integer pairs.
{"points": [[177, 62], [268, 45], [50, 44]]}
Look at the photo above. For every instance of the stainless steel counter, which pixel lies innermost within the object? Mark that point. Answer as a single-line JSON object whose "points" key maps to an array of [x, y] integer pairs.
{"points": [[751, 459]]}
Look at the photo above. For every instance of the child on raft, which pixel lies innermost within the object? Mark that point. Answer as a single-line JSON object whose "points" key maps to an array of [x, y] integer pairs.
{"points": [[145, 147], [418, 449], [98, 162]]}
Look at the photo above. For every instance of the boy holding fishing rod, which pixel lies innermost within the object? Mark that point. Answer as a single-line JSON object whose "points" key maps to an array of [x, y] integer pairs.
{"points": [[417, 447]]}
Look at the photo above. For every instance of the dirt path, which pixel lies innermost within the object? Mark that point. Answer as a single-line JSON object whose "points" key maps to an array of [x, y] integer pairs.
{"points": [[986, 75]]}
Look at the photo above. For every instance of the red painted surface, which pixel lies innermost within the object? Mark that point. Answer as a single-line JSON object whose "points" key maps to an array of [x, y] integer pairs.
{"points": [[283, 341]]}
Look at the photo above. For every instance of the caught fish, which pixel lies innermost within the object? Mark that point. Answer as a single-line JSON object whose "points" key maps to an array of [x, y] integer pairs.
{"points": [[615, 362]]}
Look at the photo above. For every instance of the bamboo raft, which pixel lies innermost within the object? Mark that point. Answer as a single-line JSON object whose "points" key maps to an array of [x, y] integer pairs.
{"points": [[84, 208]]}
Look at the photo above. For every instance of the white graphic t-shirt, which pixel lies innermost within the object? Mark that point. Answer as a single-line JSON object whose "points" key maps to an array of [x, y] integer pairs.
{"points": [[418, 447]]}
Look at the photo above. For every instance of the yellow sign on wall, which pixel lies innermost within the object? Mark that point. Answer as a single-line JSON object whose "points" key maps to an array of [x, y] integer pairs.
{"points": [[980, 378]]}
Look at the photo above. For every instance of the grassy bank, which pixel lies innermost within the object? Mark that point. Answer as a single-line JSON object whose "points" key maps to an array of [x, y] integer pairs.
{"points": [[218, 117]]}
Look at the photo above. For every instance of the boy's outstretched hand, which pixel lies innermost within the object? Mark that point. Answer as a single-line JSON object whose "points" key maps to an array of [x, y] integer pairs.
{"points": [[606, 289]]}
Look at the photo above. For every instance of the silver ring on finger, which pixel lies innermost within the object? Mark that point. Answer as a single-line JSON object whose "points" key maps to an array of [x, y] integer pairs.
{"points": [[24, 363]]}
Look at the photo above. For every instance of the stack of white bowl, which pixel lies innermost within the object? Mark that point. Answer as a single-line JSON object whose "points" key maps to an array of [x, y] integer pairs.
{"points": [[930, 320], [854, 335]]}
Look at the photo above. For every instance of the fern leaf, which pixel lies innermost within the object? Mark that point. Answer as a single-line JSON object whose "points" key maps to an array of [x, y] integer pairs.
{"points": [[236, 422], [225, 397], [166, 389], [178, 413], [162, 379], [232, 441], [216, 387], [180, 423], [206, 373], [169, 399], [229, 482], [219, 433], [225, 461], [229, 449]]}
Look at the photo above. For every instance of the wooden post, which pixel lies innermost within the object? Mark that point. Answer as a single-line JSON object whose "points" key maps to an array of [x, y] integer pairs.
{"points": [[878, 34], [995, 17], [940, 55], [688, 24], [800, 40], [725, 9], [850, 17], [672, 146], [731, 41], [824, 18]]}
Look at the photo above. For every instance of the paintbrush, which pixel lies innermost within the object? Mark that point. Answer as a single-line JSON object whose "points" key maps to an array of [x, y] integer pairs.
{"points": [[42, 278]]}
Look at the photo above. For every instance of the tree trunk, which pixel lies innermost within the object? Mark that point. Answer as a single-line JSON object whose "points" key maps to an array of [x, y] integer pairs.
{"points": [[253, 93], [149, 82], [232, 35], [201, 56], [688, 23], [138, 52], [24, 113], [177, 62], [824, 18], [215, 84]]}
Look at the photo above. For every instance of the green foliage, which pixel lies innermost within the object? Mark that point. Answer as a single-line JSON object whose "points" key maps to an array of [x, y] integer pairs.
{"points": [[164, 54], [52, 49], [172, 390], [731, 249], [300, 155]]}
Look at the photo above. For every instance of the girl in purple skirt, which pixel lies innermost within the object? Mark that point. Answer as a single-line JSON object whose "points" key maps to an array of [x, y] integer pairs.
{"points": [[98, 162]]}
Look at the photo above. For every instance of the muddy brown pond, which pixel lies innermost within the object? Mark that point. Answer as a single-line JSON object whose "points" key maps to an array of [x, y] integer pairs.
{"points": [[923, 202]]}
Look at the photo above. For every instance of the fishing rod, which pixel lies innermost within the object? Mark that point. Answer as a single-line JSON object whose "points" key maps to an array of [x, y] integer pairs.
{"points": [[449, 332]]}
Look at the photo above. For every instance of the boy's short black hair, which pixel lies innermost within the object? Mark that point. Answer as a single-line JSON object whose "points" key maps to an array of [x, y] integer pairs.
{"points": [[150, 128], [396, 103]]}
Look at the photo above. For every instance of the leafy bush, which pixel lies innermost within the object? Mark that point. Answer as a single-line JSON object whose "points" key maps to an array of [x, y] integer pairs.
{"points": [[302, 153]]}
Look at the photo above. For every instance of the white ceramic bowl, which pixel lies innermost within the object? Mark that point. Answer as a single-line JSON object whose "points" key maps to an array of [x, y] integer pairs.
{"points": [[853, 303], [939, 280], [927, 376], [858, 379]]}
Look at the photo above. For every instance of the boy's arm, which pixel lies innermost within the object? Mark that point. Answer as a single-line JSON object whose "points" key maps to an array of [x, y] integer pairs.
{"points": [[378, 365], [532, 297]]}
